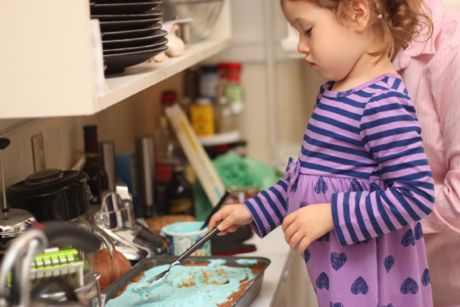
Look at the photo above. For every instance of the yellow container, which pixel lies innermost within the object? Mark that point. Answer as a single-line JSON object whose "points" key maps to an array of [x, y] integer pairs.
{"points": [[202, 116]]}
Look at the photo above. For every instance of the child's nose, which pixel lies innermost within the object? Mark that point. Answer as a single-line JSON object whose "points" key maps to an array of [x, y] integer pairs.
{"points": [[302, 47]]}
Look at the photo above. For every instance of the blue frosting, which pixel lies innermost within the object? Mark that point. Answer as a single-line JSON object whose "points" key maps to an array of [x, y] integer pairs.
{"points": [[184, 227], [191, 286]]}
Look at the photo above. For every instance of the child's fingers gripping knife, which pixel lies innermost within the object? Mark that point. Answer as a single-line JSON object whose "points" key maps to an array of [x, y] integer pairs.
{"points": [[230, 217], [222, 219]]}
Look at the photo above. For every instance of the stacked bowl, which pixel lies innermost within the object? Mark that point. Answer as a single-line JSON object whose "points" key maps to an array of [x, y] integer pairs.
{"points": [[131, 31]]}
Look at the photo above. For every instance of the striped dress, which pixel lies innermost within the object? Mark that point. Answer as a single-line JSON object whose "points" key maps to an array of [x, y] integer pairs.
{"points": [[361, 152]]}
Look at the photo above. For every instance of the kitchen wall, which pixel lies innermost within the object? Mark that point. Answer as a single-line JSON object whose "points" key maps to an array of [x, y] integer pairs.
{"points": [[137, 115], [63, 137], [257, 26]]}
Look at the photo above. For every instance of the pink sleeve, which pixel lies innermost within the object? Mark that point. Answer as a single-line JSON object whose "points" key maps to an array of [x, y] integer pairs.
{"points": [[446, 87]]}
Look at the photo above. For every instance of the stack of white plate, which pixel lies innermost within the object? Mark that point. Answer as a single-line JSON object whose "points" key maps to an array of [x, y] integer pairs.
{"points": [[131, 31]]}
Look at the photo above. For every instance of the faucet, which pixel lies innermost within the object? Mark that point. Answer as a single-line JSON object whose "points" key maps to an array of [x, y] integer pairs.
{"points": [[19, 257]]}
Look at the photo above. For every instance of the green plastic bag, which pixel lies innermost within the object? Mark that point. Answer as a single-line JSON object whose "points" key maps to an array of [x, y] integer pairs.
{"points": [[235, 171]]}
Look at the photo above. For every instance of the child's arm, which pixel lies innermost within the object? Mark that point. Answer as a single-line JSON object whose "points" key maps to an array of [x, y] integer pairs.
{"points": [[391, 134], [230, 217], [307, 224]]}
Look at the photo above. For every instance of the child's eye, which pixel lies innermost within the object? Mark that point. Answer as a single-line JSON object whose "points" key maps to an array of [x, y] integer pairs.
{"points": [[307, 32]]}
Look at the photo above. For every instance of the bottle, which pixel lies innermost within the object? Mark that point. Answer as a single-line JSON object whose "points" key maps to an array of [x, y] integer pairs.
{"points": [[163, 174], [234, 90], [179, 193], [168, 152], [98, 182], [202, 115], [209, 81], [224, 117], [165, 147], [191, 84], [145, 164]]}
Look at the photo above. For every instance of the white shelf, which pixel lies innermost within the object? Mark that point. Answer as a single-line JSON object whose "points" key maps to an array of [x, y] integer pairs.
{"points": [[142, 76], [47, 61]]}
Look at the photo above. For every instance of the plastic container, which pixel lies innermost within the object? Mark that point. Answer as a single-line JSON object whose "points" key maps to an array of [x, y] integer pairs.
{"points": [[182, 235], [204, 14], [209, 81]]}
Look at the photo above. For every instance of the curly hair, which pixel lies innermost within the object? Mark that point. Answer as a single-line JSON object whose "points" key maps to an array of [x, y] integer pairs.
{"points": [[397, 22]]}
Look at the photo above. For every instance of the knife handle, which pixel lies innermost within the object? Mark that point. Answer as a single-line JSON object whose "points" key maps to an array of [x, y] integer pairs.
{"points": [[197, 245]]}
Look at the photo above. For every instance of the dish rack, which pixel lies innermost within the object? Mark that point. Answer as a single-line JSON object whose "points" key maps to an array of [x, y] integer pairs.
{"points": [[59, 262]]}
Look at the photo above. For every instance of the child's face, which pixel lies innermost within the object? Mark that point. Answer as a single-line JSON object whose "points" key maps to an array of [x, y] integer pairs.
{"points": [[330, 47]]}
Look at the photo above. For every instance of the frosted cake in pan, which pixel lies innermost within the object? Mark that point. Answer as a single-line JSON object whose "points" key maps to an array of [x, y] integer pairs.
{"points": [[210, 282]]}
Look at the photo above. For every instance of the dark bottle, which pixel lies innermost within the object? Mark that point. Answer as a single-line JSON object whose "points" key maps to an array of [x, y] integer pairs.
{"points": [[167, 154], [179, 193], [163, 174], [98, 182]]}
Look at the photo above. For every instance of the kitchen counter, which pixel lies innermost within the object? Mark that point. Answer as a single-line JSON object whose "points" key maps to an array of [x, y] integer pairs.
{"points": [[274, 247], [285, 280]]}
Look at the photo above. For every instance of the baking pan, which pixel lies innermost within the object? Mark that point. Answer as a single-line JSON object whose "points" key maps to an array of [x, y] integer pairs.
{"points": [[244, 300]]}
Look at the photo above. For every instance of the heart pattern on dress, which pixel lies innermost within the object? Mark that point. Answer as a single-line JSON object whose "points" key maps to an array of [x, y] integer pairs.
{"points": [[388, 263], [408, 238], [336, 304], [322, 281], [409, 286], [426, 277], [418, 232], [338, 260], [389, 305], [321, 186], [359, 286], [306, 255]]}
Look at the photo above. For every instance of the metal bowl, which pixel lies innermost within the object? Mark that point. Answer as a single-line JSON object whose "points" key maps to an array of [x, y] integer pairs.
{"points": [[204, 14]]}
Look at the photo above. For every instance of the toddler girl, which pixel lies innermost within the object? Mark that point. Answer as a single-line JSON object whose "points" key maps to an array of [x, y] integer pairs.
{"points": [[353, 200]]}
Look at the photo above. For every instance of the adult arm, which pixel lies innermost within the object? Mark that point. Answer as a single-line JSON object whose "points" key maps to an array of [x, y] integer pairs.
{"points": [[446, 94]]}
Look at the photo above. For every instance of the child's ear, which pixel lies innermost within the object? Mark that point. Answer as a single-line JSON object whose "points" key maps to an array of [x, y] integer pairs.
{"points": [[359, 12]]}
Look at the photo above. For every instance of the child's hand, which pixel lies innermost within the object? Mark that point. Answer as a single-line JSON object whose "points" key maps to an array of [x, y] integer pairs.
{"points": [[307, 224], [230, 217]]}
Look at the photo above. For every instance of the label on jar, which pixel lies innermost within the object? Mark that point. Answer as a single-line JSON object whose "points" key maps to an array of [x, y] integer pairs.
{"points": [[202, 119]]}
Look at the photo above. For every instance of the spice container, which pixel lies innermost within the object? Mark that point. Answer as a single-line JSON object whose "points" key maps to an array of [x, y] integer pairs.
{"points": [[225, 120], [202, 116], [209, 81]]}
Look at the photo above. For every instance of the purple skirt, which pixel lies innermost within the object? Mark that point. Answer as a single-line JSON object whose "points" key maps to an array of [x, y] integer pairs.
{"points": [[388, 271]]}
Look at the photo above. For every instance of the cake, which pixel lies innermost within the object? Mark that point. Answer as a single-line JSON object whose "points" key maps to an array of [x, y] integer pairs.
{"points": [[201, 284]]}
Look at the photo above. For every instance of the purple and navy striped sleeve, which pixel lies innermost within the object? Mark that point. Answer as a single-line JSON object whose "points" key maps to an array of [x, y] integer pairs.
{"points": [[390, 131], [269, 207]]}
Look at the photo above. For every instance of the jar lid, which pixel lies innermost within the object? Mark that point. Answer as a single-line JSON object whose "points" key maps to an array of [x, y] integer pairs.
{"points": [[209, 68], [46, 176], [43, 183], [168, 98], [203, 101]]}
